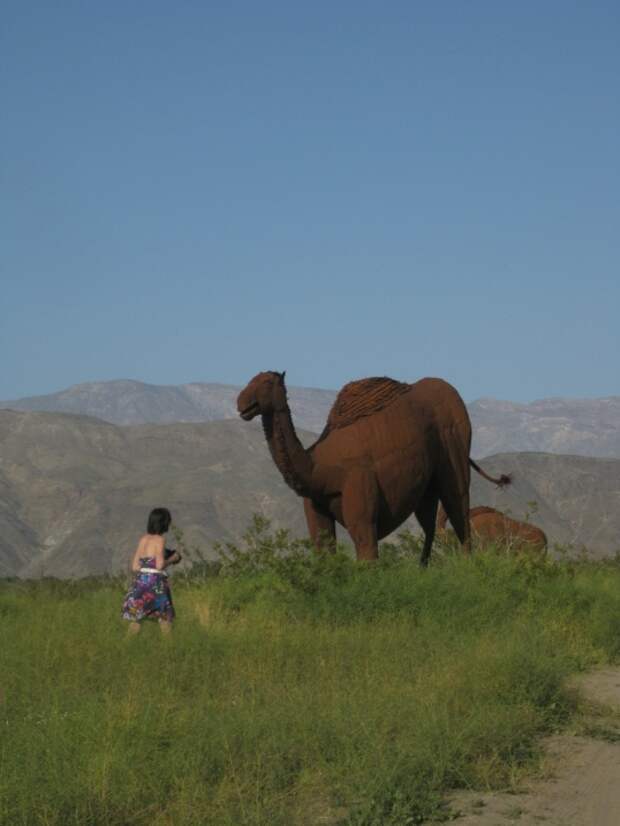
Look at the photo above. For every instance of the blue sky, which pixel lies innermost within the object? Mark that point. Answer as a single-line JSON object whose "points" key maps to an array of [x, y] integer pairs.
{"points": [[196, 191]]}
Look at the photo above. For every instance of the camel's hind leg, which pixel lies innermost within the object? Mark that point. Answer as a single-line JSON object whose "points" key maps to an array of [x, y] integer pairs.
{"points": [[360, 505], [453, 484], [321, 526], [457, 508], [426, 514]]}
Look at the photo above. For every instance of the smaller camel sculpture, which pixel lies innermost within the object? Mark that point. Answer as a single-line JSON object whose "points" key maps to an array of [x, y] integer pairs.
{"points": [[388, 449], [491, 525]]}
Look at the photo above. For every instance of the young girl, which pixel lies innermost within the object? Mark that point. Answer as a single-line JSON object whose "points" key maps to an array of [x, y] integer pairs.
{"points": [[149, 596]]}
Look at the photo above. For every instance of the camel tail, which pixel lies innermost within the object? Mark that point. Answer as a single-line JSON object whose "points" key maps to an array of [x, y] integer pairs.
{"points": [[501, 482]]}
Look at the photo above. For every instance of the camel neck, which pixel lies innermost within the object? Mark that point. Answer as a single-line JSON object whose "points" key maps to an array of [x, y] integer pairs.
{"points": [[290, 456]]}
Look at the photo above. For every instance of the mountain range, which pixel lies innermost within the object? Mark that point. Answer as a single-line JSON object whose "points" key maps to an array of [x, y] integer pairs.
{"points": [[75, 491], [584, 427], [127, 402]]}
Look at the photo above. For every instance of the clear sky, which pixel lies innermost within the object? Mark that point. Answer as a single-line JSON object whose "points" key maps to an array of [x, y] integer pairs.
{"points": [[196, 191]]}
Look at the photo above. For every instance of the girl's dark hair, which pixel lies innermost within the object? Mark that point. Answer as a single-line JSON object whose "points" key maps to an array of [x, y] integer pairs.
{"points": [[159, 521]]}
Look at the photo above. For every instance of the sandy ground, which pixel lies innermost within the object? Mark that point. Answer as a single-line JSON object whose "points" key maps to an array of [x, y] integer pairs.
{"points": [[582, 777]]}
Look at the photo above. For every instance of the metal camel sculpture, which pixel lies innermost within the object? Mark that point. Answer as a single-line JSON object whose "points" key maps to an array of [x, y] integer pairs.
{"points": [[492, 525], [388, 450]]}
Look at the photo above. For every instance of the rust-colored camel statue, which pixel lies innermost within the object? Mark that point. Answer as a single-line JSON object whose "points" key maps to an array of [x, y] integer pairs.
{"points": [[388, 450], [494, 526]]}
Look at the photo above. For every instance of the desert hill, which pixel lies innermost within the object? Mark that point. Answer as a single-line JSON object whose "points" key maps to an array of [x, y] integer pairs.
{"points": [[584, 427], [75, 491], [128, 402]]}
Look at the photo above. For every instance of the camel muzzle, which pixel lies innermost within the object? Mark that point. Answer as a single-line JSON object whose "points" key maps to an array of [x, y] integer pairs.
{"points": [[249, 412]]}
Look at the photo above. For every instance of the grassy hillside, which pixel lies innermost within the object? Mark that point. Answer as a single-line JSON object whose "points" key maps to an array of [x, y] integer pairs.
{"points": [[297, 690]]}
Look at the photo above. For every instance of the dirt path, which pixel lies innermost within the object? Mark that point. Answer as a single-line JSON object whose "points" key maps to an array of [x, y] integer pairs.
{"points": [[583, 783]]}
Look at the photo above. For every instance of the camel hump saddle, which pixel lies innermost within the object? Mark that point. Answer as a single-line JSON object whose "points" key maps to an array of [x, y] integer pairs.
{"points": [[363, 398]]}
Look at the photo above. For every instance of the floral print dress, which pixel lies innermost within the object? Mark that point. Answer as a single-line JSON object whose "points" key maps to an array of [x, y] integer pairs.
{"points": [[149, 596]]}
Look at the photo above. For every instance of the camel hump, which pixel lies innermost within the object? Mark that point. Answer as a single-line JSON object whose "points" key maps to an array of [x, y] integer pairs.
{"points": [[363, 398], [483, 509]]}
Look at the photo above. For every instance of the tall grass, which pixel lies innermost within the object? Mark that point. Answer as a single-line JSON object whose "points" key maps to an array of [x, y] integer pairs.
{"points": [[296, 688]]}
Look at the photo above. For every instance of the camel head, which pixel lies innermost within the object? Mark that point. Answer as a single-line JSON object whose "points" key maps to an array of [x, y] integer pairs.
{"points": [[264, 394]]}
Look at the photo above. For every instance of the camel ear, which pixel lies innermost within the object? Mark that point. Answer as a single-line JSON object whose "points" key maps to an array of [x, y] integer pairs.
{"points": [[282, 375]]}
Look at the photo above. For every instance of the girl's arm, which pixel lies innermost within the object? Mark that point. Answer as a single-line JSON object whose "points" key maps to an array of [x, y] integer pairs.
{"points": [[172, 560]]}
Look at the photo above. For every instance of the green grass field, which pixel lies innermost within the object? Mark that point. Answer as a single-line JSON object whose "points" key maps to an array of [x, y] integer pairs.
{"points": [[298, 690]]}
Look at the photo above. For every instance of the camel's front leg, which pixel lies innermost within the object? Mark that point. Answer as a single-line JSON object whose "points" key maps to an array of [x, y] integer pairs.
{"points": [[321, 526], [360, 505]]}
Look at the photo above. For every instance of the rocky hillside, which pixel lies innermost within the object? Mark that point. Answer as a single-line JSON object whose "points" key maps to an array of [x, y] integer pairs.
{"points": [[584, 427], [75, 492], [133, 402]]}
